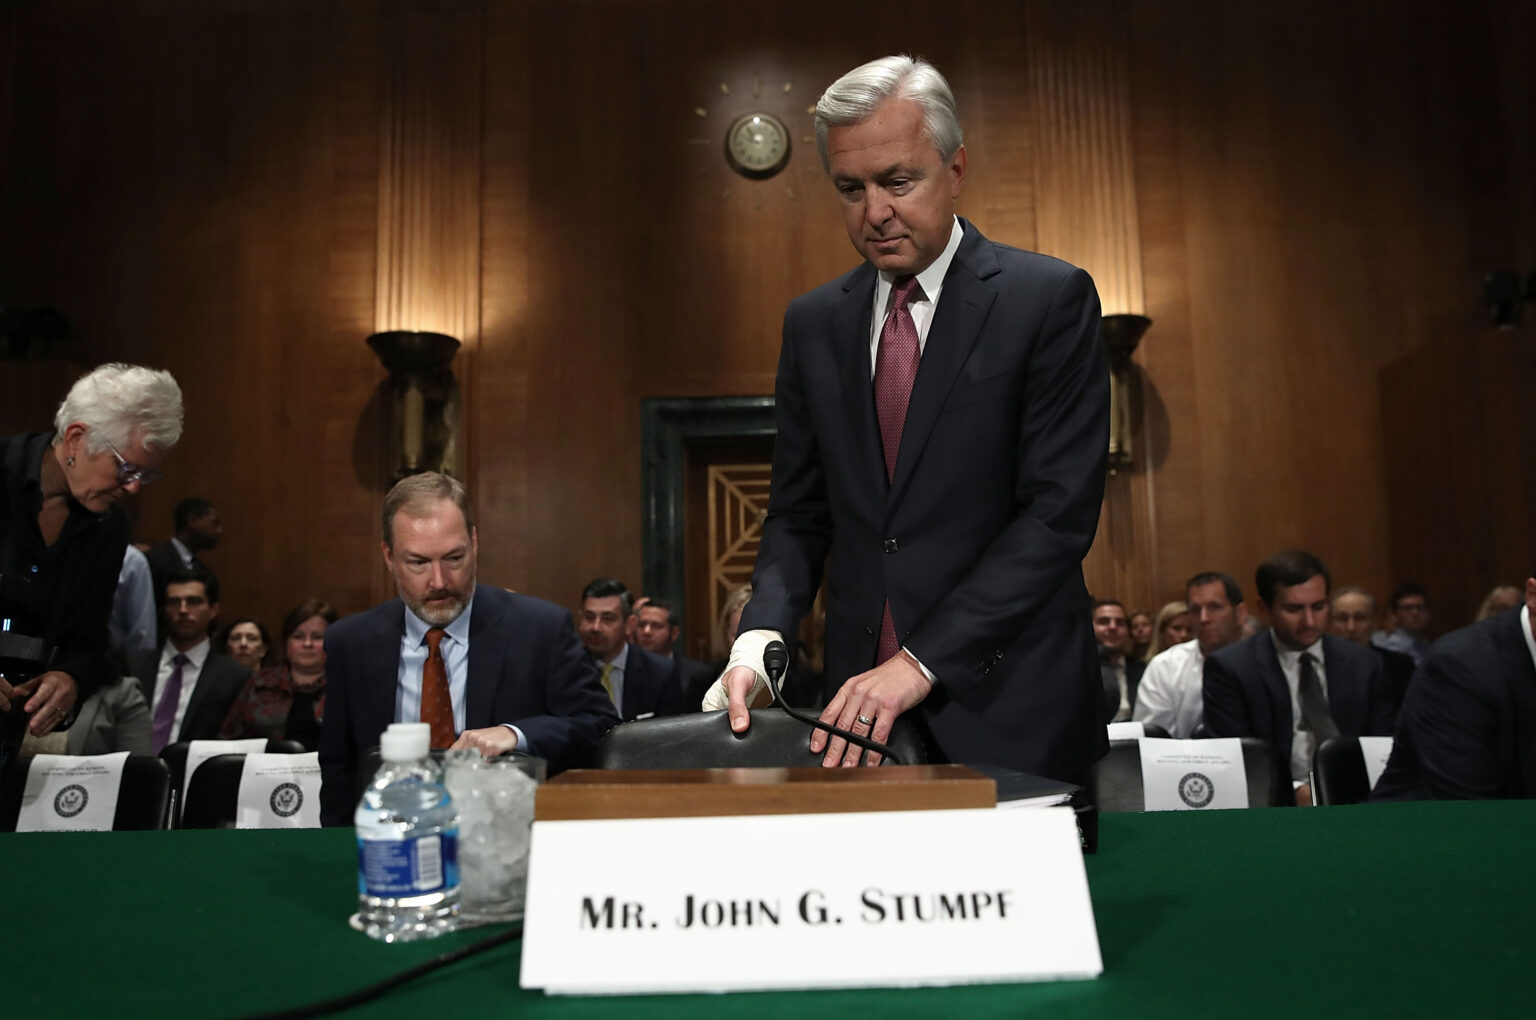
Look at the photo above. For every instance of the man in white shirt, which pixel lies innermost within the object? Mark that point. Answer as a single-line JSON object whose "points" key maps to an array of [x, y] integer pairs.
{"points": [[1293, 685], [1171, 693], [189, 687]]}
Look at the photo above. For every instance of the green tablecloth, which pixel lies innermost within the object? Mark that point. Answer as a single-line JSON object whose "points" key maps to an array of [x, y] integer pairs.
{"points": [[1394, 909]]}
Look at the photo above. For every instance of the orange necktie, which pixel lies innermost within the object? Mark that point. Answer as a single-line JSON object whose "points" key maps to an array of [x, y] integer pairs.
{"points": [[436, 702]]}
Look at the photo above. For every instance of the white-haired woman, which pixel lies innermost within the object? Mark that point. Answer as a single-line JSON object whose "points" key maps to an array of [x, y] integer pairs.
{"points": [[61, 543]]}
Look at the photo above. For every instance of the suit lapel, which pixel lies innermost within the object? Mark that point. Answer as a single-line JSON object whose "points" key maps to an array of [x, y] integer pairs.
{"points": [[1347, 702], [850, 349], [484, 657], [207, 677], [1279, 691], [963, 305], [381, 665]]}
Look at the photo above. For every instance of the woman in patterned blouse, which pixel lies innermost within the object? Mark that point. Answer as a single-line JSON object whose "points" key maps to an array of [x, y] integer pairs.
{"points": [[287, 702]]}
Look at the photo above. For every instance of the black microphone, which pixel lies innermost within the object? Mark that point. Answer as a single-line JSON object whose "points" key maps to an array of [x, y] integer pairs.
{"points": [[775, 662]]}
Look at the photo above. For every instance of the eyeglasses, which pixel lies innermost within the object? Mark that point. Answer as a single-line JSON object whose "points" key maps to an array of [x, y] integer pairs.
{"points": [[128, 473]]}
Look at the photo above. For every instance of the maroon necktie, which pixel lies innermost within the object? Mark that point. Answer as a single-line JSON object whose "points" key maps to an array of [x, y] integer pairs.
{"points": [[436, 702], [895, 370]]}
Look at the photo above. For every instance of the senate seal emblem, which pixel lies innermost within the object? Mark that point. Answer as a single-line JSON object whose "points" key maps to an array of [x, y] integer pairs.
{"points": [[1196, 790], [71, 800], [286, 800]]}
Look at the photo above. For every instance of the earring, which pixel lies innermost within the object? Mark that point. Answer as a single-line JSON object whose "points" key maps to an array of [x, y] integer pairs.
{"points": [[69, 462]]}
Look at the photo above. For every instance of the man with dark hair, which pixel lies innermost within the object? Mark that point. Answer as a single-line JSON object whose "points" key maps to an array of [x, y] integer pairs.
{"points": [[1468, 725], [640, 683], [188, 686], [485, 668], [656, 630], [942, 417], [1171, 694], [197, 530], [1294, 685], [1119, 673], [1407, 618]]}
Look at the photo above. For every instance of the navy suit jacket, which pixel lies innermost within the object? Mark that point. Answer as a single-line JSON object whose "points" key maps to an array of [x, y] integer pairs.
{"points": [[652, 685], [1468, 725], [526, 667], [218, 685], [1246, 694], [979, 538]]}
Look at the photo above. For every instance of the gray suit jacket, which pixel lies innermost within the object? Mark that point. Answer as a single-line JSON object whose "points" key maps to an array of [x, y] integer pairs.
{"points": [[115, 718]]}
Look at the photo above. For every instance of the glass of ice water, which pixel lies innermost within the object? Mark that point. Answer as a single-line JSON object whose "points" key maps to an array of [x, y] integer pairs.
{"points": [[494, 798]]}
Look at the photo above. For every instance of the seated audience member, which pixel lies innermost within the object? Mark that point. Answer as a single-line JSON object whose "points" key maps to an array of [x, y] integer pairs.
{"points": [[1112, 630], [1294, 685], [1467, 729], [1171, 693], [485, 668], [1172, 627], [1502, 598], [1407, 617], [247, 642], [198, 528], [287, 702], [131, 627], [114, 718], [1141, 635], [1353, 618], [189, 686], [656, 630], [641, 684]]}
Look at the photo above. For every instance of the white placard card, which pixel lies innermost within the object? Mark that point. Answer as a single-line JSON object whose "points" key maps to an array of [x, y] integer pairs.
{"points": [[1127, 730], [1375, 751], [279, 791], [199, 751], [899, 898], [71, 791], [1193, 775]]}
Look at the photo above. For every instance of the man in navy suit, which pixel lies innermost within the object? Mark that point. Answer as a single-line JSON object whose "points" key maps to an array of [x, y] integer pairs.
{"points": [[487, 669], [1468, 726], [942, 421], [1293, 685], [640, 683]]}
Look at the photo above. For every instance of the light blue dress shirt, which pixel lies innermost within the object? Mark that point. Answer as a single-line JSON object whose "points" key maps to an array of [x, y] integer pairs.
{"points": [[455, 649]]}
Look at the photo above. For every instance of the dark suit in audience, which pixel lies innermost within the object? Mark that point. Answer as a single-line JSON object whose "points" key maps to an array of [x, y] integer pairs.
{"points": [[1468, 726], [653, 685], [214, 689], [1246, 693]]}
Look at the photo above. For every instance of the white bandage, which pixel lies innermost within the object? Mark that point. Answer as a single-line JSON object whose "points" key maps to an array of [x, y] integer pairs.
{"points": [[747, 651]]}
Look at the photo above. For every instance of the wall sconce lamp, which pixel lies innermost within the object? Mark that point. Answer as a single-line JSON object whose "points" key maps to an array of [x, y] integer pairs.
{"points": [[424, 414], [1121, 334], [1505, 297]]}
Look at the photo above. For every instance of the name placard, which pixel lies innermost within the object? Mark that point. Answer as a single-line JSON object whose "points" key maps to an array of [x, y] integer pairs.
{"points": [[807, 901]]}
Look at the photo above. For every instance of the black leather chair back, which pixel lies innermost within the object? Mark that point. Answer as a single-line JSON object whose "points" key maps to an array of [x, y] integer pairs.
{"points": [[706, 741], [214, 793], [175, 756], [1338, 773], [143, 799], [1115, 779]]}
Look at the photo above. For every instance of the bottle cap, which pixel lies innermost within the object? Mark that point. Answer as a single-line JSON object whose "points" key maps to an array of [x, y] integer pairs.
{"points": [[405, 741]]}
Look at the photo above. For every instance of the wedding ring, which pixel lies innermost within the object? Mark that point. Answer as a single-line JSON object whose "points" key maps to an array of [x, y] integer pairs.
{"points": [[866, 720]]}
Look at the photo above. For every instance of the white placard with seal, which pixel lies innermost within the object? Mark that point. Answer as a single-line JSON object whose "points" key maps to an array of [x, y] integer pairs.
{"points": [[199, 751], [279, 791], [1127, 730], [1375, 751], [1193, 775], [71, 792], [863, 900]]}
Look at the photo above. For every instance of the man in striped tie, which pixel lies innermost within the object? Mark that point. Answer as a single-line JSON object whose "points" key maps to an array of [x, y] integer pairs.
{"points": [[485, 668]]}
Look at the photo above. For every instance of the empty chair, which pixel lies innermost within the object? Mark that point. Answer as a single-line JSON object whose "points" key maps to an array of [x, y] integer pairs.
{"points": [[706, 741], [1339, 774], [143, 798], [1115, 779], [213, 793]]}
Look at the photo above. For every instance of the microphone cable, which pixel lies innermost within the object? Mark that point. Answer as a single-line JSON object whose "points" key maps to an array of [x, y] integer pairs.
{"points": [[775, 662]]}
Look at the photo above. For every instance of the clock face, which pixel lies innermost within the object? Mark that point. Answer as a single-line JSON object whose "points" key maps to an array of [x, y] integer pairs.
{"points": [[757, 145]]}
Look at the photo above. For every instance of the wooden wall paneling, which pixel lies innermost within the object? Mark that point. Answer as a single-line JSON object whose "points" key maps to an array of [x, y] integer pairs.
{"points": [[1086, 213]]}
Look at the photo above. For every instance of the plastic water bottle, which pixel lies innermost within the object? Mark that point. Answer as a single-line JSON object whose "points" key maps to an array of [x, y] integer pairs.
{"points": [[407, 843]]}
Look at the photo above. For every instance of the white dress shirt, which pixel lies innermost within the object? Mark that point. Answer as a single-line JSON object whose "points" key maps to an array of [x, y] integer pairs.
{"points": [[196, 656], [454, 647], [1290, 665], [182, 552], [1172, 691]]}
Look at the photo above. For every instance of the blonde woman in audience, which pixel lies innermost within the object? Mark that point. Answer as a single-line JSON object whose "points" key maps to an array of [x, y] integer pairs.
{"points": [[287, 702], [1504, 597], [1141, 635], [1172, 627]]}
